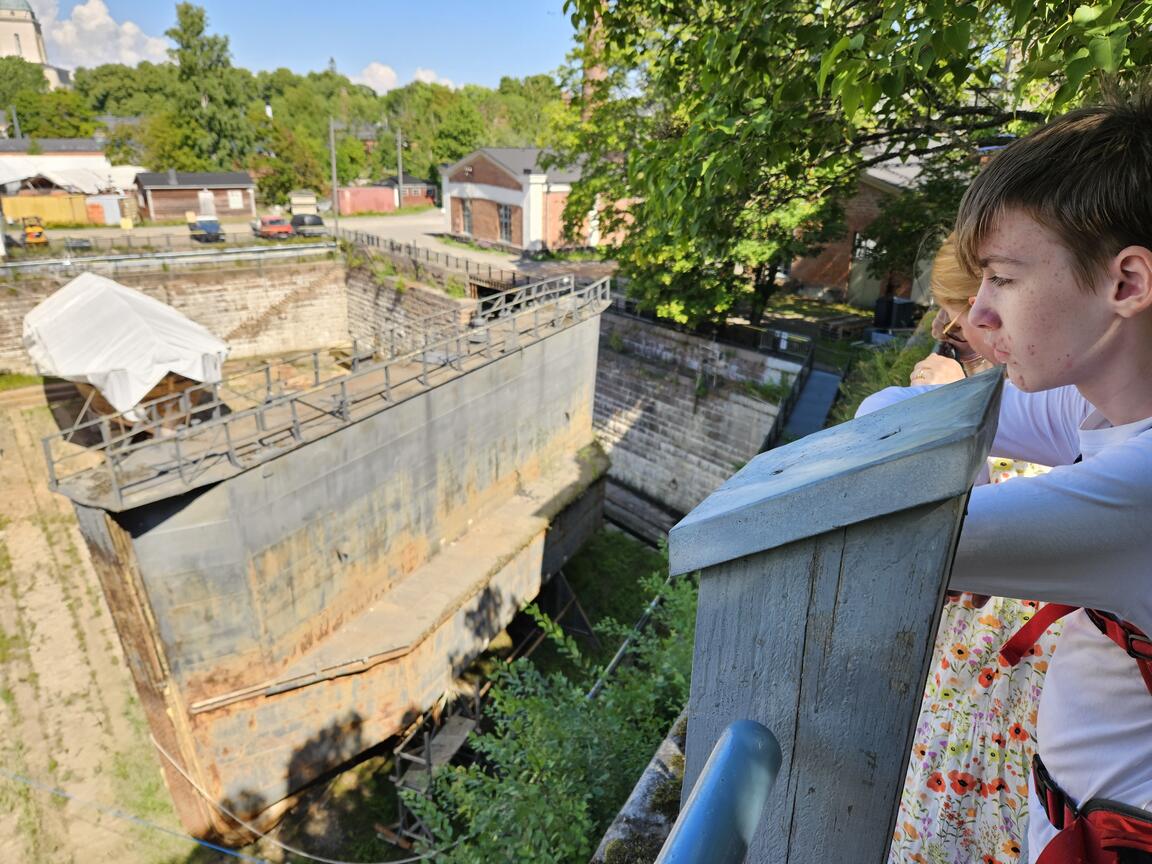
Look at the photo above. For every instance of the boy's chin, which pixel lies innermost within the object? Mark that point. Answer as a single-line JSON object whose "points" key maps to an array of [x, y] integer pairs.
{"points": [[1029, 383]]}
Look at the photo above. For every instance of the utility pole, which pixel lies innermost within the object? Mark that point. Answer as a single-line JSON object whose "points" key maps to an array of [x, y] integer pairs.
{"points": [[399, 169], [335, 188]]}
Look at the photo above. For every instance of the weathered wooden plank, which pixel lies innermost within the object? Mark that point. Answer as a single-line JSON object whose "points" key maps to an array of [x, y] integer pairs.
{"points": [[822, 628]]}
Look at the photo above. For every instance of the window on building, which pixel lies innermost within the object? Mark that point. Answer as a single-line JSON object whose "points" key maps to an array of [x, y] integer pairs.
{"points": [[235, 199], [862, 247], [466, 214], [505, 223], [19, 50]]}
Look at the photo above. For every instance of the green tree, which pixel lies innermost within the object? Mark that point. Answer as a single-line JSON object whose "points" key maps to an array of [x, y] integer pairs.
{"points": [[210, 119], [351, 159], [58, 114], [166, 145], [284, 161], [460, 131], [127, 91], [18, 76], [123, 145], [705, 110]]}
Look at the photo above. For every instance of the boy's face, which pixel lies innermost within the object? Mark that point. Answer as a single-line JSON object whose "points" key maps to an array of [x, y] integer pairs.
{"points": [[1036, 319]]}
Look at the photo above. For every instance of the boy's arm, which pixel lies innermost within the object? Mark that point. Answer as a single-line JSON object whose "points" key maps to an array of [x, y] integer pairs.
{"points": [[1078, 535], [1037, 427]]}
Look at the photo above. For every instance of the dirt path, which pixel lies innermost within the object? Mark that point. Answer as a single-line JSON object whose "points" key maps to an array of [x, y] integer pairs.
{"points": [[68, 709]]}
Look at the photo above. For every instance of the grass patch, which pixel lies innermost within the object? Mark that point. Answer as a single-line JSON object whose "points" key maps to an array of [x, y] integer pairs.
{"points": [[770, 391], [455, 288], [16, 380], [573, 255], [382, 268], [408, 210], [10, 646], [808, 309], [469, 244], [607, 575]]}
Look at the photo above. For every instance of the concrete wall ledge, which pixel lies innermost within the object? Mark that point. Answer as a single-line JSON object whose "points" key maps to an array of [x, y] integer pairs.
{"points": [[415, 609]]}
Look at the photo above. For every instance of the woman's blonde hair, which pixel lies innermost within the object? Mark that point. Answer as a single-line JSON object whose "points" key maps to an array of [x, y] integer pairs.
{"points": [[950, 281]]}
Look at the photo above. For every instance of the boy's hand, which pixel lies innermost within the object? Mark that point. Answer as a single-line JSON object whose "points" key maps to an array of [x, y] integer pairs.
{"points": [[935, 369]]}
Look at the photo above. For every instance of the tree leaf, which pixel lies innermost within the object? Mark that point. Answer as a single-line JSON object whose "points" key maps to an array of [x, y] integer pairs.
{"points": [[1086, 14], [828, 60], [1106, 52]]}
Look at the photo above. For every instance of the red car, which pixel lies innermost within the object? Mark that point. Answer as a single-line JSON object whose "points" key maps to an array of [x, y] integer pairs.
{"points": [[274, 228]]}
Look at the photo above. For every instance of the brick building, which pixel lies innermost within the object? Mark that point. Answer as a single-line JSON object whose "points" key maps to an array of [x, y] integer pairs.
{"points": [[383, 197], [172, 194], [504, 196], [417, 192], [842, 264]]}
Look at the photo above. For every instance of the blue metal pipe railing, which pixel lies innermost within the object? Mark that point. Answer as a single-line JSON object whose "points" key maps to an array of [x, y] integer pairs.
{"points": [[717, 822]]}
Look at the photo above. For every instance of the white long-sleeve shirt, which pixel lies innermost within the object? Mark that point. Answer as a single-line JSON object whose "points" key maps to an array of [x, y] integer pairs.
{"points": [[1081, 535]]}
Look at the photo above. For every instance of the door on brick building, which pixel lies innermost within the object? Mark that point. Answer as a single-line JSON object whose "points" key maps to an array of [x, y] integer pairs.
{"points": [[505, 213], [863, 288]]}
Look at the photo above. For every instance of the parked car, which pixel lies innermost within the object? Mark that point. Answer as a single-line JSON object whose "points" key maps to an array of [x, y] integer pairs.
{"points": [[274, 228], [206, 231], [308, 225]]}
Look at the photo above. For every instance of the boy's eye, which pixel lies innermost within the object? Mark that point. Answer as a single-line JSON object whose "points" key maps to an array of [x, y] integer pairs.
{"points": [[998, 281]]}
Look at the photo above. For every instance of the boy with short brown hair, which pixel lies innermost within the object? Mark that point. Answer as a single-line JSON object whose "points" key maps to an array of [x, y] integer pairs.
{"points": [[1059, 227]]}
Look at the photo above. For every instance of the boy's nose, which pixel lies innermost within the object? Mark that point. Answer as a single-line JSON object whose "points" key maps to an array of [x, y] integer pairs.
{"points": [[981, 314]]}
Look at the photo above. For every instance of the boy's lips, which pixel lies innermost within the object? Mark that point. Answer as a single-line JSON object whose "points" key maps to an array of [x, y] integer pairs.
{"points": [[1000, 356]]}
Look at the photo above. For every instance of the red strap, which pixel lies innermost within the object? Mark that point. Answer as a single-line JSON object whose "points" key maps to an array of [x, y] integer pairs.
{"points": [[1028, 635], [1131, 639]]}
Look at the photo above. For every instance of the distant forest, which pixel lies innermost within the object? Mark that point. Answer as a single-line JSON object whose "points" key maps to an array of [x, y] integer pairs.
{"points": [[201, 113]]}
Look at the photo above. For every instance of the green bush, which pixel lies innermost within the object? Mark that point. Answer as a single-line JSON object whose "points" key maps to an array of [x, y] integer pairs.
{"points": [[455, 288], [555, 767], [887, 366], [771, 391]]}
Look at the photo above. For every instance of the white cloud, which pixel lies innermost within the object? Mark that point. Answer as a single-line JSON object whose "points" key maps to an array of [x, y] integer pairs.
{"points": [[378, 76], [91, 36], [429, 76]]}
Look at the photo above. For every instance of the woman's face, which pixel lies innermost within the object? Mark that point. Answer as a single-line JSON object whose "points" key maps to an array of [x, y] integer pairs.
{"points": [[952, 326]]}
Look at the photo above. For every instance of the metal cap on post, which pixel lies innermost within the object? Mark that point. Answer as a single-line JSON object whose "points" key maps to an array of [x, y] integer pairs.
{"points": [[823, 566]]}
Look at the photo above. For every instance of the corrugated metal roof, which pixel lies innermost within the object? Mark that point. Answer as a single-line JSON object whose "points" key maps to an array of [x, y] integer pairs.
{"points": [[194, 179], [51, 145]]}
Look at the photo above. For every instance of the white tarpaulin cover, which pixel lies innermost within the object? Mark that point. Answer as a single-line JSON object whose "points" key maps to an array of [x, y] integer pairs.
{"points": [[122, 342]]}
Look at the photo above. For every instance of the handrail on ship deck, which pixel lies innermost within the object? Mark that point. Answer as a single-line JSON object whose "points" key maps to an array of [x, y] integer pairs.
{"points": [[280, 421]]}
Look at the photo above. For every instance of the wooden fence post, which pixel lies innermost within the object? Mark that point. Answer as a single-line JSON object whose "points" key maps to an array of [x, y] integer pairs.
{"points": [[823, 566]]}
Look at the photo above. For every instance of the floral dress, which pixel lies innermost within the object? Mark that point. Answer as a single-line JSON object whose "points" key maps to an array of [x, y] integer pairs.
{"points": [[965, 795]]}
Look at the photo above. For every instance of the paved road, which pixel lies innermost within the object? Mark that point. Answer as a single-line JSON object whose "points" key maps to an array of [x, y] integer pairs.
{"points": [[420, 229]]}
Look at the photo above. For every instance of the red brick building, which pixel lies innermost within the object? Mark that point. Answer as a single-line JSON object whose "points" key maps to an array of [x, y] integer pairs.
{"points": [[504, 196], [383, 197], [842, 264]]}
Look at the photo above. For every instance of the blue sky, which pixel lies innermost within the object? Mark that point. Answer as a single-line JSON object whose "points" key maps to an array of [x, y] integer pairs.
{"points": [[383, 43]]}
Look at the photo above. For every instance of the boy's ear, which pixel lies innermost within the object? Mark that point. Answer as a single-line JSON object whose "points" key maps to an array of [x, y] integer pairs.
{"points": [[1131, 291]]}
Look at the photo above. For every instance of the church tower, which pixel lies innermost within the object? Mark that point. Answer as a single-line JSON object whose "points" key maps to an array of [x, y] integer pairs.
{"points": [[20, 36]]}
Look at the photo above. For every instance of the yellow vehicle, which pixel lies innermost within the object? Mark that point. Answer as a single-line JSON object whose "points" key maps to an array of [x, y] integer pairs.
{"points": [[34, 233]]}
